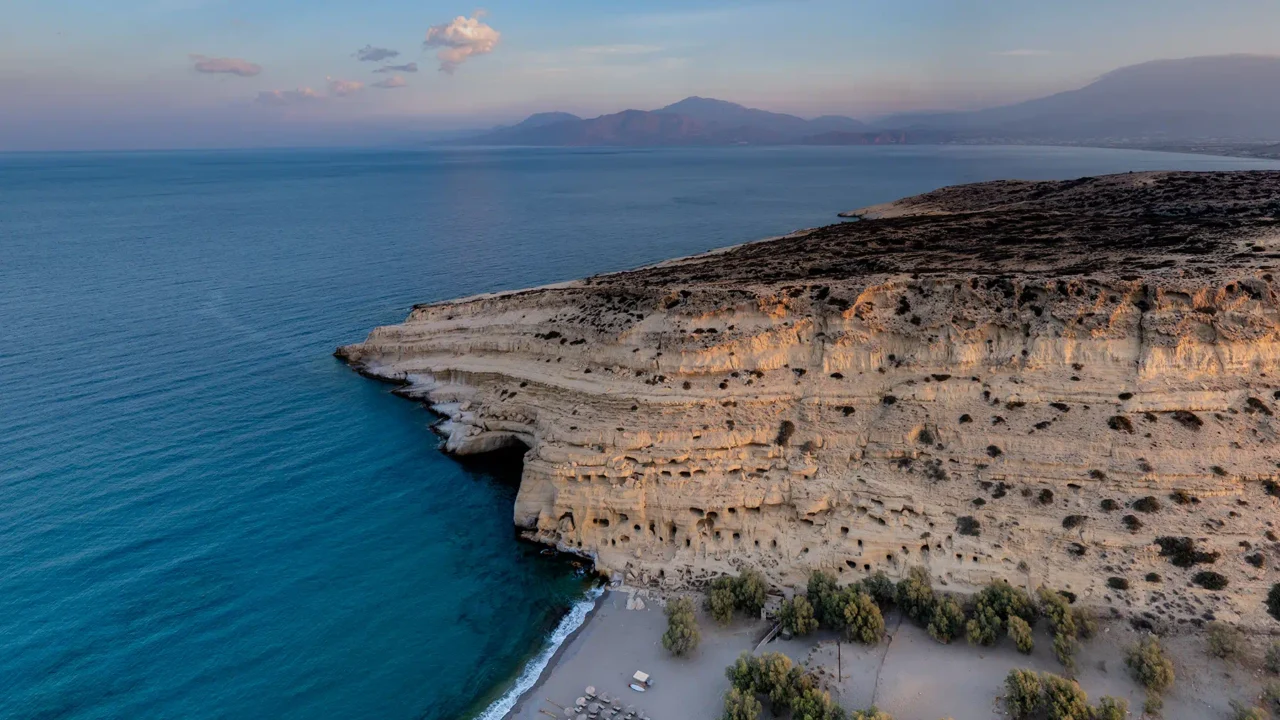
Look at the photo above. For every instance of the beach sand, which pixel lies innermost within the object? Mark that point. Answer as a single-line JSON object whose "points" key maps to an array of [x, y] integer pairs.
{"points": [[909, 675]]}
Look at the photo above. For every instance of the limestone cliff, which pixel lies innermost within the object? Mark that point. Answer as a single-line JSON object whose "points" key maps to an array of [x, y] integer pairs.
{"points": [[1051, 382]]}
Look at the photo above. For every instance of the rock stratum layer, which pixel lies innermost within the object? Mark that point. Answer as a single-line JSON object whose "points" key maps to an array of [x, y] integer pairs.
{"points": [[1068, 383]]}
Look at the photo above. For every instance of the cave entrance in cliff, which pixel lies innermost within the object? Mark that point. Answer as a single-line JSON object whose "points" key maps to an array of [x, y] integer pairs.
{"points": [[504, 464]]}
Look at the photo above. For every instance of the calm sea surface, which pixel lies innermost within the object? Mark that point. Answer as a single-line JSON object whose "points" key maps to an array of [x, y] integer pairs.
{"points": [[204, 515]]}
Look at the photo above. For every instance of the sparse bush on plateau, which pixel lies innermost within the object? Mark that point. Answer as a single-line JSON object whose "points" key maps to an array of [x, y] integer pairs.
{"points": [[1273, 601], [682, 635], [1241, 711], [1225, 641], [1272, 659], [1153, 671], [1111, 708]]}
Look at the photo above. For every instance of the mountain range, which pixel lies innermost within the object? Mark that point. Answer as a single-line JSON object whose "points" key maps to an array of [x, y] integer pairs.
{"points": [[1221, 98]]}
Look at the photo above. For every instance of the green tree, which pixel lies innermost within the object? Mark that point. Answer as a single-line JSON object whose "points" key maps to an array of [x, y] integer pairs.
{"points": [[1024, 693], [822, 593], [742, 673], [1064, 648], [948, 620], [915, 595], [797, 617], [739, 705], [984, 626], [862, 619], [1064, 699], [1020, 633], [682, 635], [721, 600], [880, 588], [871, 713], [749, 591], [1111, 708], [774, 679]]}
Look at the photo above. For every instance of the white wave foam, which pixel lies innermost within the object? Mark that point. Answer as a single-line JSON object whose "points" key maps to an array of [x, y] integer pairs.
{"points": [[532, 671]]}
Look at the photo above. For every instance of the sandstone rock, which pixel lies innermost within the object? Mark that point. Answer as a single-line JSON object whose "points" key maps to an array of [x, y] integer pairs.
{"points": [[941, 386]]}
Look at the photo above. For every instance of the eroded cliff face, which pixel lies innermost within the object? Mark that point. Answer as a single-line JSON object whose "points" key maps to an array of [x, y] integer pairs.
{"points": [[1059, 383]]}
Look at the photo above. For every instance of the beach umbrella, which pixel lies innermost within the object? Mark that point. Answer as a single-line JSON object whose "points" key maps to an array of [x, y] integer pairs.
{"points": [[580, 702], [591, 691]]}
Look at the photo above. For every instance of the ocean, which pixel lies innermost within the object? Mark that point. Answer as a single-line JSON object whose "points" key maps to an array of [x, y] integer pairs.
{"points": [[205, 515]]}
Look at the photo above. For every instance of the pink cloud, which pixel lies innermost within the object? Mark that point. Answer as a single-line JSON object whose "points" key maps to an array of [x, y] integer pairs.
{"points": [[395, 81], [289, 97], [460, 39], [226, 66], [343, 88]]}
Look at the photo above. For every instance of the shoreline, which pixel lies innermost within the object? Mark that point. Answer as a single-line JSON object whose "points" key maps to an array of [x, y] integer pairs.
{"points": [[511, 702], [521, 699]]}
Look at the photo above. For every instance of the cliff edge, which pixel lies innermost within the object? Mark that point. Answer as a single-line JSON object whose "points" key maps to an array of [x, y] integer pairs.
{"points": [[1068, 383]]}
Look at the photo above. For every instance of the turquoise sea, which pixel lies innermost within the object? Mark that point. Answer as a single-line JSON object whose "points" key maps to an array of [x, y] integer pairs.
{"points": [[204, 515]]}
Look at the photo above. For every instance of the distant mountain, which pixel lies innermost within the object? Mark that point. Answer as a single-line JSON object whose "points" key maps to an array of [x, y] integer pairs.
{"points": [[692, 121], [730, 115], [1216, 97]]}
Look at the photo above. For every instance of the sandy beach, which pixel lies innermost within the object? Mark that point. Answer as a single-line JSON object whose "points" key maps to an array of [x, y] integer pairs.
{"points": [[907, 674]]}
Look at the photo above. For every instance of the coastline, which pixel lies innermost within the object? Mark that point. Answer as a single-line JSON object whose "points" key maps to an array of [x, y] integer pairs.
{"points": [[521, 699], [535, 670]]}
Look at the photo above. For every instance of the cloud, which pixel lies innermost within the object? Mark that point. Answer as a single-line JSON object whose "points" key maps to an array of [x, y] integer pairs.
{"points": [[1022, 53], [343, 88], [460, 39], [395, 81], [369, 53], [288, 97], [408, 67], [226, 66]]}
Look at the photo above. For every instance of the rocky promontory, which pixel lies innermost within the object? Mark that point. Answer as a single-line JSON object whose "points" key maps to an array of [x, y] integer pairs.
{"points": [[1063, 383]]}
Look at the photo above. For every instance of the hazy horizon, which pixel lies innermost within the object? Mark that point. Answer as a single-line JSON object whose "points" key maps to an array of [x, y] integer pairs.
{"points": [[227, 73]]}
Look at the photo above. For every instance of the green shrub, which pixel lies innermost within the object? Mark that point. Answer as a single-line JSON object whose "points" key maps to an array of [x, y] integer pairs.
{"points": [[682, 635], [1057, 611], [749, 590], [814, 704], [1064, 699], [1271, 696], [915, 595], [1023, 693], [948, 620], [1272, 660], [739, 705], [1020, 634], [1064, 648], [797, 616], [1240, 711], [1273, 601], [721, 601], [775, 680], [1153, 671], [1111, 708], [1225, 641], [871, 713], [862, 619]]}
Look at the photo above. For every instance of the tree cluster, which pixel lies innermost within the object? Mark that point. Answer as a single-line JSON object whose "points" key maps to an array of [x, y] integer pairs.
{"points": [[1031, 694]]}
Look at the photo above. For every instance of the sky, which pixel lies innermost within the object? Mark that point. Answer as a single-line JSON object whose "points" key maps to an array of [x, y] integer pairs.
{"points": [[88, 74]]}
